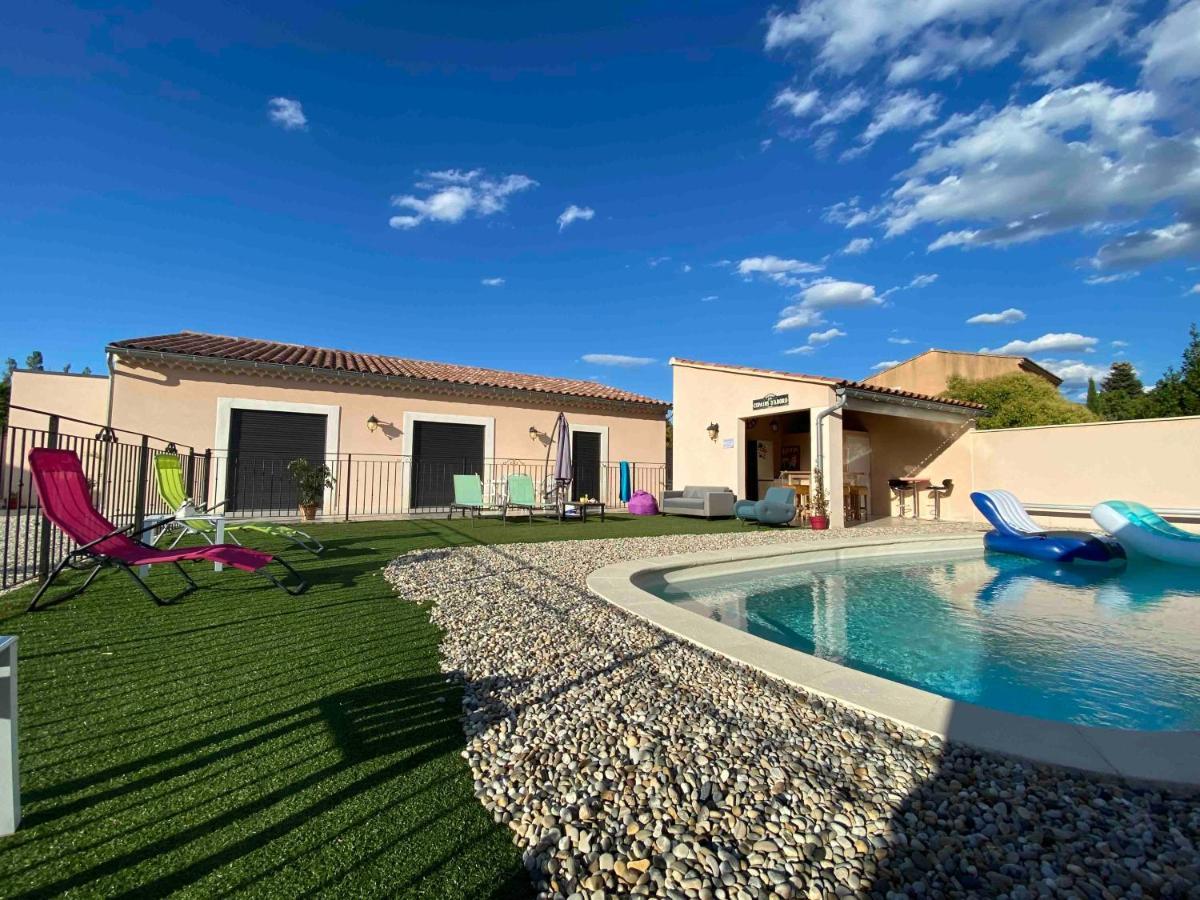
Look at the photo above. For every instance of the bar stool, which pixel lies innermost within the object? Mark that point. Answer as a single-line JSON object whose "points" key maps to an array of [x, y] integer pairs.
{"points": [[939, 491]]}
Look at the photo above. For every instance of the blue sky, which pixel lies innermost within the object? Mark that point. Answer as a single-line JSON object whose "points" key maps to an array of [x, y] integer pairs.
{"points": [[587, 190]]}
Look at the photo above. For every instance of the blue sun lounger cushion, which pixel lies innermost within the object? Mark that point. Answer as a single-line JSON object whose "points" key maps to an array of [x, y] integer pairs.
{"points": [[1014, 532]]}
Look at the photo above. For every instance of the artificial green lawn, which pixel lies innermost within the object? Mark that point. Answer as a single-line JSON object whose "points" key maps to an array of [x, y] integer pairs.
{"points": [[246, 741]]}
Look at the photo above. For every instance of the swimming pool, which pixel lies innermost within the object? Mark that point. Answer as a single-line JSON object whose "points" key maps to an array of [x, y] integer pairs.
{"points": [[1085, 646]]}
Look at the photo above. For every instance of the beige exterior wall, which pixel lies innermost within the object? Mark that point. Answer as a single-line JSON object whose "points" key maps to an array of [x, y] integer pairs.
{"points": [[76, 396], [705, 395], [192, 408], [183, 405], [929, 372], [1152, 461]]}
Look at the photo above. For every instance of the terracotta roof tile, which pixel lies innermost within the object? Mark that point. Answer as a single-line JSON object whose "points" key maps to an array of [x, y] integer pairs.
{"points": [[218, 347], [834, 382]]}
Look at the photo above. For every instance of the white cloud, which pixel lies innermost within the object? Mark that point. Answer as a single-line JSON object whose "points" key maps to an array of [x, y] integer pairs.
{"points": [[1078, 158], [886, 364], [655, 261], [1073, 371], [453, 194], [902, 111], [1172, 60], [953, 239], [900, 340], [824, 337], [783, 271], [1048, 343], [492, 282], [1124, 343], [937, 38], [923, 280], [830, 293], [857, 246], [845, 106], [1005, 317], [1109, 279], [287, 114], [1138, 248], [616, 359], [816, 340], [709, 299], [1195, 289], [685, 268], [850, 214], [575, 213], [796, 103], [792, 317]]}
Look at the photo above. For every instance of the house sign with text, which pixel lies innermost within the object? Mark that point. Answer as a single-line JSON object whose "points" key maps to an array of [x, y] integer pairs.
{"points": [[771, 400]]}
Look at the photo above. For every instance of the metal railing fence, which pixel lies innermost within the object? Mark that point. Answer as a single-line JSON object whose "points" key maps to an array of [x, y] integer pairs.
{"points": [[119, 465]]}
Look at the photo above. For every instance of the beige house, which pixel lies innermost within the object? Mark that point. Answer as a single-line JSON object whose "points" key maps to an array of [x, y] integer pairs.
{"points": [[929, 372], [748, 429], [394, 430]]}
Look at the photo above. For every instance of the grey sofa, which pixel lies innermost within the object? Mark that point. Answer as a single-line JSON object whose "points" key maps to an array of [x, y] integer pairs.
{"points": [[705, 501]]}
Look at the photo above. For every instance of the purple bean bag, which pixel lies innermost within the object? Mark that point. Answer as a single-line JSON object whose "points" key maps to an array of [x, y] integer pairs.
{"points": [[643, 504]]}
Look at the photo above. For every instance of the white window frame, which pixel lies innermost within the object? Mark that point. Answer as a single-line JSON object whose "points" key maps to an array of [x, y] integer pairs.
{"points": [[226, 406], [601, 430]]}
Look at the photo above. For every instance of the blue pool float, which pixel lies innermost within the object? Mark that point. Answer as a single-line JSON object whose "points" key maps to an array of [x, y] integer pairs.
{"points": [[1141, 530], [1014, 532]]}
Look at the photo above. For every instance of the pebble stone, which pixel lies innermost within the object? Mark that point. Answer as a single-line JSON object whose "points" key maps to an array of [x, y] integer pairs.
{"points": [[626, 762]]}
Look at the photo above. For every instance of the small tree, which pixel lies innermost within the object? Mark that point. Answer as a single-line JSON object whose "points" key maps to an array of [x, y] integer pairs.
{"points": [[820, 502], [34, 361], [1177, 393], [10, 366], [1122, 395], [1017, 400], [1092, 396]]}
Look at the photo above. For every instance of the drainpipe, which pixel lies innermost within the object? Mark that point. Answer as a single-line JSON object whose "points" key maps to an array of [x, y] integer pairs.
{"points": [[111, 379], [840, 395]]}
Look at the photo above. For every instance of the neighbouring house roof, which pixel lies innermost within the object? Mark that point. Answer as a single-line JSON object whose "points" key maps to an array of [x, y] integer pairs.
{"points": [[1023, 362], [832, 382], [197, 347]]}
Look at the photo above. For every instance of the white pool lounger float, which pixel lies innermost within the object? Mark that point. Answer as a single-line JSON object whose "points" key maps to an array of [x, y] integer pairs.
{"points": [[1141, 530]]}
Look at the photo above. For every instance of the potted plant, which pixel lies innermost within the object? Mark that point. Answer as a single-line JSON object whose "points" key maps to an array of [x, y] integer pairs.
{"points": [[819, 519], [311, 482]]}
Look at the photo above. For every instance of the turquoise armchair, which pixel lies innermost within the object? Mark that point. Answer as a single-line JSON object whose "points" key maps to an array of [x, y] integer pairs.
{"points": [[778, 507]]}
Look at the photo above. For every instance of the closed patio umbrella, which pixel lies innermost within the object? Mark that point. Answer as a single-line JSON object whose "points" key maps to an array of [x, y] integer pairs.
{"points": [[564, 472]]}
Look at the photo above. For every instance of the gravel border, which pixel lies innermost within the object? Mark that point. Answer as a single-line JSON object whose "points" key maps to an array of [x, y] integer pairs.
{"points": [[628, 762]]}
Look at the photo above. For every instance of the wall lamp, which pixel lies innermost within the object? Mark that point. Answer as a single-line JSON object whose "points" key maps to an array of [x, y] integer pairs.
{"points": [[534, 434], [372, 424], [713, 430]]}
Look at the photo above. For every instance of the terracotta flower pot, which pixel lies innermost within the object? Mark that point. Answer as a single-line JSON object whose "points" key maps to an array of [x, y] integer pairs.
{"points": [[308, 512], [819, 523]]}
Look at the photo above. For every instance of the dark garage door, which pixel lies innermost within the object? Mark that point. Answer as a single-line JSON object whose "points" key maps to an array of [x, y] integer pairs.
{"points": [[440, 451], [585, 457], [261, 444]]}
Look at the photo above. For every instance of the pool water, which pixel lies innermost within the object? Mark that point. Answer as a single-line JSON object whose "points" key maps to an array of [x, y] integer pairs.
{"points": [[1094, 647]]}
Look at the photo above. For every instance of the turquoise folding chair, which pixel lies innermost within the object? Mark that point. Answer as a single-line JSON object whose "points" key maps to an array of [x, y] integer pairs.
{"points": [[520, 496], [468, 496]]}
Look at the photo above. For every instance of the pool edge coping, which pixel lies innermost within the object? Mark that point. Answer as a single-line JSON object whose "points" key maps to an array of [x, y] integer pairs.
{"points": [[1165, 759]]}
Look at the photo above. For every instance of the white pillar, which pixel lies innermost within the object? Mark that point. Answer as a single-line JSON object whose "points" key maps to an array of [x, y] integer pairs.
{"points": [[831, 453], [10, 771]]}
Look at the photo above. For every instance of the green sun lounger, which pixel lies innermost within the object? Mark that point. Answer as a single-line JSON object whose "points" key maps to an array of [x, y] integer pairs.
{"points": [[468, 496], [169, 471], [520, 496]]}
